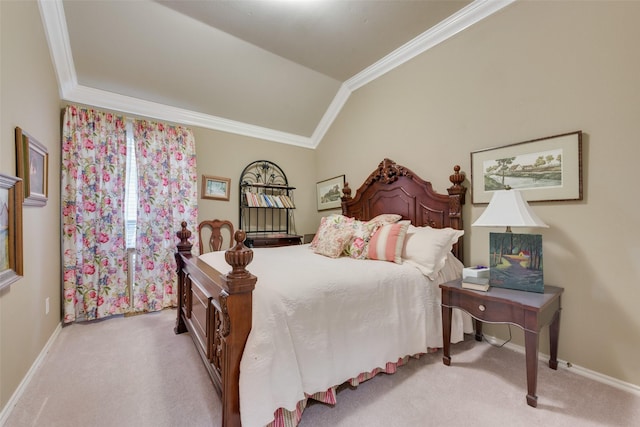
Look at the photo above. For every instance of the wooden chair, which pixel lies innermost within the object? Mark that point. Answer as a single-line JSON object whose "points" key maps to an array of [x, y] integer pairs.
{"points": [[216, 238]]}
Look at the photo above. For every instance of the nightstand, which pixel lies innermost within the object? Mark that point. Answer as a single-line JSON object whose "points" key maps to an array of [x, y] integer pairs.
{"points": [[528, 310]]}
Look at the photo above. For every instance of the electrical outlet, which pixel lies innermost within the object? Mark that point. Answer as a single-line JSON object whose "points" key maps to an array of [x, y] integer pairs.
{"points": [[46, 305]]}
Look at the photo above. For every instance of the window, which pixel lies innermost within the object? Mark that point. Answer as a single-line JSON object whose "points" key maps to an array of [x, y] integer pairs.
{"points": [[131, 190]]}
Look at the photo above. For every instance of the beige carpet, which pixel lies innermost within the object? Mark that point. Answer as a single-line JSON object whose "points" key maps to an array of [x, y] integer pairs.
{"points": [[135, 372]]}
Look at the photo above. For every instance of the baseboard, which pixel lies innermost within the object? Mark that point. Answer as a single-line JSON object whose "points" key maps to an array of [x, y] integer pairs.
{"points": [[6, 411], [563, 364]]}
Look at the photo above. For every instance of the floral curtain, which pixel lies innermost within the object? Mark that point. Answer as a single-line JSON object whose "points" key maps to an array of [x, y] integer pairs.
{"points": [[167, 195], [93, 245]]}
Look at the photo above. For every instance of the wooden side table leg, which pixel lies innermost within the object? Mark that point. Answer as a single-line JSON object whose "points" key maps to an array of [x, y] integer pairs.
{"points": [[554, 335], [531, 355], [446, 335], [478, 325]]}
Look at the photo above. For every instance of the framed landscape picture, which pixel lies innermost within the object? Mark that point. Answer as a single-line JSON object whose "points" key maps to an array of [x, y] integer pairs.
{"points": [[10, 230], [215, 187], [329, 193], [544, 169], [32, 165]]}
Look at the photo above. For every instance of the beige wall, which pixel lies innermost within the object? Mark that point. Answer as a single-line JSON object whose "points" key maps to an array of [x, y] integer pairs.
{"points": [[534, 69], [226, 155], [29, 100]]}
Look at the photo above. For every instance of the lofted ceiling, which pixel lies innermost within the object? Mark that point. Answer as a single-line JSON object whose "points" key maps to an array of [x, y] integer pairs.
{"points": [[278, 70]]}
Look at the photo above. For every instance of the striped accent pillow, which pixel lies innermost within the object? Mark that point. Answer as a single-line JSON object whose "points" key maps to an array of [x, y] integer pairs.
{"points": [[386, 244]]}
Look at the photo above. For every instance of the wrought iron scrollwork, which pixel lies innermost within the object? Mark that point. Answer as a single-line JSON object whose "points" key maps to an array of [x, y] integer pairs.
{"points": [[263, 172]]}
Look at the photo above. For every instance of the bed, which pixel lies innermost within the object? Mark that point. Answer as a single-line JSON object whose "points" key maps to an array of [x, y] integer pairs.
{"points": [[368, 316]]}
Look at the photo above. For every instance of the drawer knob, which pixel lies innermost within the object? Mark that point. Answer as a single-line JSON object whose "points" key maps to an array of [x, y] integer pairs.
{"points": [[482, 307]]}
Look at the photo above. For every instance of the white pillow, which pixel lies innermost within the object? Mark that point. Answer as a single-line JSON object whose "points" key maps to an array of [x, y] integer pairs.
{"points": [[426, 248]]}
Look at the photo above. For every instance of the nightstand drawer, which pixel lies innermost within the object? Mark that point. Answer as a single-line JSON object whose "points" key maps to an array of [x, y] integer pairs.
{"points": [[486, 309]]}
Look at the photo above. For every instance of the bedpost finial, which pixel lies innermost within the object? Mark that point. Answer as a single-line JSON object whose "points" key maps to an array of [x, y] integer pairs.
{"points": [[346, 192], [457, 179], [239, 257], [184, 234], [239, 236]]}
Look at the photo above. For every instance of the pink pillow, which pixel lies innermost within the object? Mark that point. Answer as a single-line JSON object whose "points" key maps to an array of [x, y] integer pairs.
{"points": [[387, 242]]}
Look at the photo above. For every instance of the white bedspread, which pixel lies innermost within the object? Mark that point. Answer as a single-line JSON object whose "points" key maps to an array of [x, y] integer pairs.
{"points": [[319, 321]]}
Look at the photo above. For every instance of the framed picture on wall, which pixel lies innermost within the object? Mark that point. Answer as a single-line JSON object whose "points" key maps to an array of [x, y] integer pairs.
{"points": [[10, 230], [544, 169], [329, 193], [32, 165], [215, 187]]}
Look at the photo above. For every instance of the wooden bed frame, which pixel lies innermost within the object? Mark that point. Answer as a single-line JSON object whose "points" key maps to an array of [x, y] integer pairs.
{"points": [[216, 308]]}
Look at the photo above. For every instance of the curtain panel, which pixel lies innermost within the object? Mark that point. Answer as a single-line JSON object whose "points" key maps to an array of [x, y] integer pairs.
{"points": [[167, 195], [93, 245]]}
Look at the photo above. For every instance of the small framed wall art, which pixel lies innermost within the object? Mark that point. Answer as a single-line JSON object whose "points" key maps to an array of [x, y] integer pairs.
{"points": [[215, 187], [32, 165], [329, 193], [10, 230], [544, 169]]}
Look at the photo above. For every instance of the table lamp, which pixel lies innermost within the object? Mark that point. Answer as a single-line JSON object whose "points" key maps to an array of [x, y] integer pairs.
{"points": [[515, 260]]}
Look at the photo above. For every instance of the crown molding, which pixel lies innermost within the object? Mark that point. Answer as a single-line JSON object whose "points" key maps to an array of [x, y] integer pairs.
{"points": [[55, 26], [330, 115], [57, 34], [459, 21], [126, 104]]}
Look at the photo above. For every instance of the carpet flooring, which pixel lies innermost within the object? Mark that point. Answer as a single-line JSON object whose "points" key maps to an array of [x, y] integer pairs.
{"points": [[134, 371]]}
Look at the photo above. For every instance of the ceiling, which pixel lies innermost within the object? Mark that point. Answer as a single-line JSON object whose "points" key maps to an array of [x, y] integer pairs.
{"points": [[278, 70]]}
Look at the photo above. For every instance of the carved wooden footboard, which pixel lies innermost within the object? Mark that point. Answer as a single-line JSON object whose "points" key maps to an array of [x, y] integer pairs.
{"points": [[216, 309]]}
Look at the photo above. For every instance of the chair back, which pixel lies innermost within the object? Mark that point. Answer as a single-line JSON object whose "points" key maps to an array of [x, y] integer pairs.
{"points": [[214, 231]]}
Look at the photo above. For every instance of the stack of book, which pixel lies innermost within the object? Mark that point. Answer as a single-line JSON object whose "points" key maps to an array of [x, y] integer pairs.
{"points": [[476, 283]]}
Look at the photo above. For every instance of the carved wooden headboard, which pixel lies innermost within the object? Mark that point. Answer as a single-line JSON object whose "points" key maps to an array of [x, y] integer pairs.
{"points": [[392, 188]]}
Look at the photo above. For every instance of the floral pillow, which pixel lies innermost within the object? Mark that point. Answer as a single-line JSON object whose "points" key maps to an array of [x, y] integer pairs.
{"points": [[426, 248], [362, 232], [333, 241], [326, 223], [387, 242]]}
